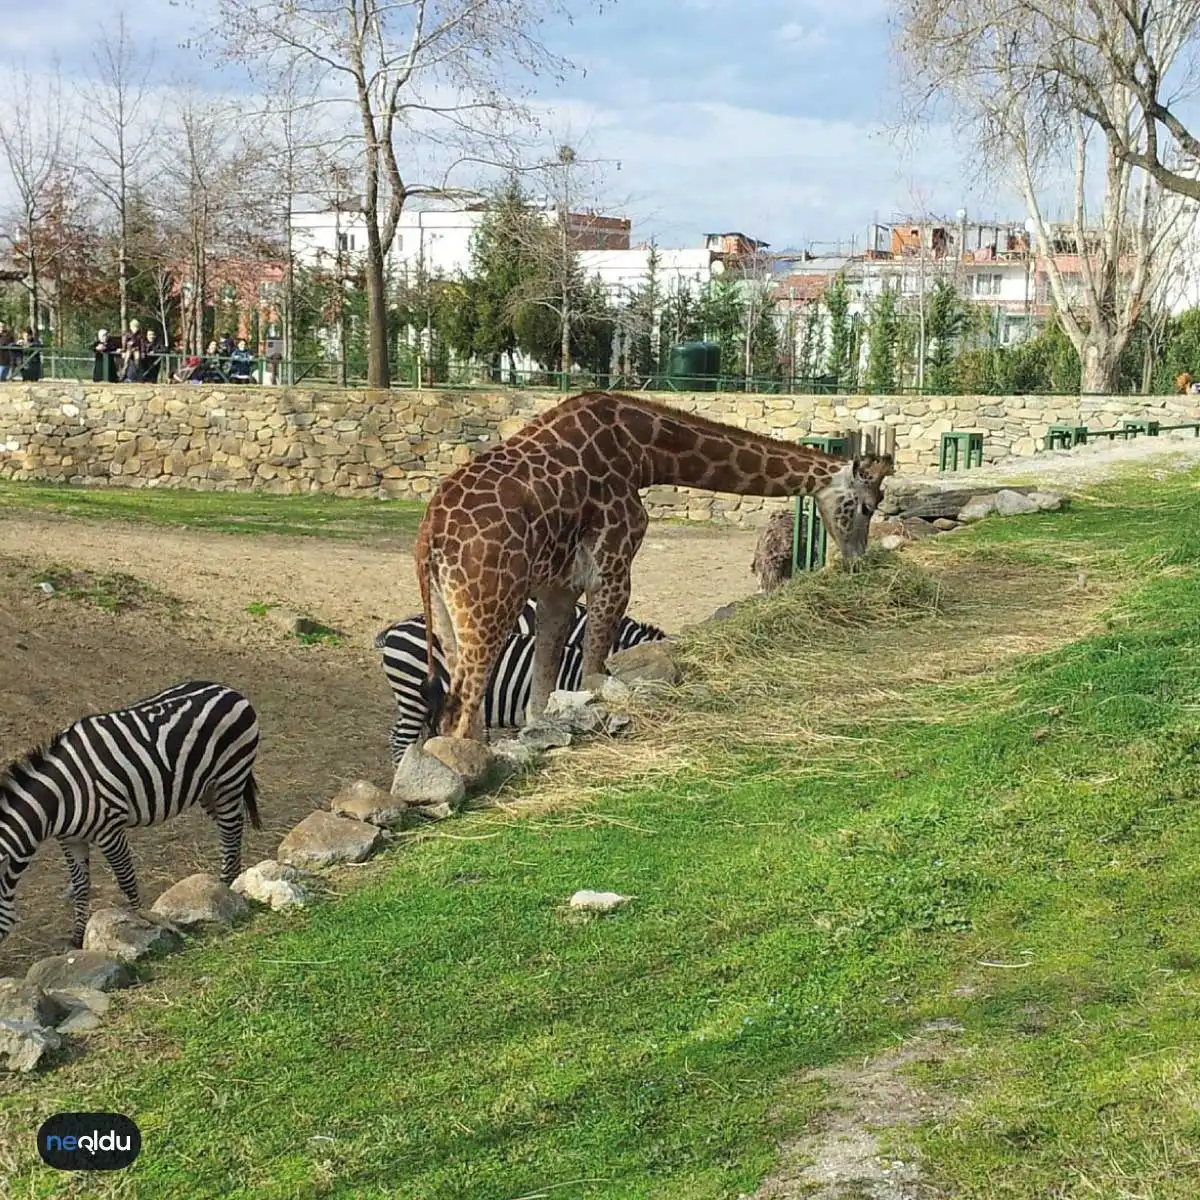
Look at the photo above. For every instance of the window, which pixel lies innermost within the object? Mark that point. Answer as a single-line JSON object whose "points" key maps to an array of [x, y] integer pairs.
{"points": [[987, 285], [345, 241]]}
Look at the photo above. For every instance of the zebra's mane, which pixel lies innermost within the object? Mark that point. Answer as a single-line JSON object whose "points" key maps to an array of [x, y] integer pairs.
{"points": [[32, 759]]}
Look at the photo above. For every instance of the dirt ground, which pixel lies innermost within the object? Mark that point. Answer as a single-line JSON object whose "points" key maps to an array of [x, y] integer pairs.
{"points": [[324, 710]]}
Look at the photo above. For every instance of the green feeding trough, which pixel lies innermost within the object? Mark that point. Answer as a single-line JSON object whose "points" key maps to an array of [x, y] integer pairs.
{"points": [[694, 366]]}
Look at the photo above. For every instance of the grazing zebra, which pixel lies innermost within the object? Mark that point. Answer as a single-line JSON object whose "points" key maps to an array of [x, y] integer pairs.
{"points": [[403, 646], [135, 766]]}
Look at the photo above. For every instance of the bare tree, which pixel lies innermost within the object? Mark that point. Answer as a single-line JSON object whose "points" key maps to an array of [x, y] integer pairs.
{"points": [[988, 58], [120, 133], [41, 157], [438, 69]]}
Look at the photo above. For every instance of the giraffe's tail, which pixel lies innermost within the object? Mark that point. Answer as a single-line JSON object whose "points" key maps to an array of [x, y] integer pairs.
{"points": [[433, 691]]}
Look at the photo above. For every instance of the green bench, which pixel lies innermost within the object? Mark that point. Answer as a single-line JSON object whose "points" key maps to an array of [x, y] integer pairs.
{"points": [[1065, 436], [969, 444], [1134, 427]]}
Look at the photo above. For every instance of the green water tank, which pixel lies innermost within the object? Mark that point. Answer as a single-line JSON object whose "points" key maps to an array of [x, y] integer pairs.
{"points": [[694, 366]]}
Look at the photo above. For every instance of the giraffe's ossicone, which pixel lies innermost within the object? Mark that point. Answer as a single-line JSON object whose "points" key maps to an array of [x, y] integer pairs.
{"points": [[554, 513]]}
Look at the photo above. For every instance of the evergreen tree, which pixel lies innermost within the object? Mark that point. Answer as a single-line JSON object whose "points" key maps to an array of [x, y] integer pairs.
{"points": [[946, 322], [812, 343], [841, 339], [721, 316], [883, 333]]}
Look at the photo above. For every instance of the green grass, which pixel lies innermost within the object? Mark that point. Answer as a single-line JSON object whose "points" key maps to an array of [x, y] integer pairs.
{"points": [[311, 514], [444, 1031], [110, 591]]}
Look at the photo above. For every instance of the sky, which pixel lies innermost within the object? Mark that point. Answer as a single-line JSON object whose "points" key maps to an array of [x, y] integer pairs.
{"points": [[770, 119]]}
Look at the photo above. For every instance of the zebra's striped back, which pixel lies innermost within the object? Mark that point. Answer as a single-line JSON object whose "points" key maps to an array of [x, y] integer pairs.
{"points": [[133, 766], [404, 663]]}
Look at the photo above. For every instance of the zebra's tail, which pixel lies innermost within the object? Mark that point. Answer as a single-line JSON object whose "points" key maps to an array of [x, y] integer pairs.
{"points": [[433, 692], [250, 800]]}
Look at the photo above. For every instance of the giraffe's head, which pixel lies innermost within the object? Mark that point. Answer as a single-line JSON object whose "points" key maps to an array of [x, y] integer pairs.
{"points": [[850, 499]]}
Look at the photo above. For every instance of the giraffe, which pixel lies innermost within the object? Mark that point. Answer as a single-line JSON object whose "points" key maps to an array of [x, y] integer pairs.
{"points": [[553, 512]]}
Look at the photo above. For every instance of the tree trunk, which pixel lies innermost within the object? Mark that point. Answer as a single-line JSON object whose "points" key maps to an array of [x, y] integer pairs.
{"points": [[565, 344], [123, 260], [33, 279], [1100, 368]]}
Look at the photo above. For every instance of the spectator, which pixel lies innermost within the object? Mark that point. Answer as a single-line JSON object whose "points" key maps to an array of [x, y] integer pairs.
{"points": [[241, 363], [6, 341], [133, 348], [104, 358], [151, 360], [31, 345], [190, 370]]}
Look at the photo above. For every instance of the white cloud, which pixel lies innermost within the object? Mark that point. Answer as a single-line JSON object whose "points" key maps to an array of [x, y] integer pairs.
{"points": [[798, 37]]}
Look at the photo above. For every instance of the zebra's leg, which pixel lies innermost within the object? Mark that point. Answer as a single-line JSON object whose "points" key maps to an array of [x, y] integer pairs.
{"points": [[80, 891], [230, 815], [556, 615], [114, 845]]}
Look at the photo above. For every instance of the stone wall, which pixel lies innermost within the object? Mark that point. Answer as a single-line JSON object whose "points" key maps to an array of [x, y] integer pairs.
{"points": [[399, 444]]}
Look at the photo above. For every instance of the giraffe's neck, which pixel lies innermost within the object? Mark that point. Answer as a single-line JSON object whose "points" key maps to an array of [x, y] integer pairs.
{"points": [[694, 452]]}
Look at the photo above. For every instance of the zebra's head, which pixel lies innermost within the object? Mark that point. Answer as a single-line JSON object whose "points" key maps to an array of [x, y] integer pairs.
{"points": [[850, 500], [633, 633]]}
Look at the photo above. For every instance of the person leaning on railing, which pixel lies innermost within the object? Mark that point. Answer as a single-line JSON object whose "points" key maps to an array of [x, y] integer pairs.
{"points": [[30, 358], [104, 358]]}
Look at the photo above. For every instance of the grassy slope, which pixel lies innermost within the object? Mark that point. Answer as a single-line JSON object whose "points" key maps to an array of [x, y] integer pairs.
{"points": [[225, 512], [443, 1031]]}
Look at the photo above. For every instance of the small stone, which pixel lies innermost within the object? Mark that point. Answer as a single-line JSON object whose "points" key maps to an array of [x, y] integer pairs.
{"points": [[434, 812], [615, 722], [893, 541], [649, 662], [470, 760], [21, 1000], [129, 935], [515, 754], [76, 1002], [274, 883], [576, 711], [601, 902], [200, 900], [542, 735], [917, 528], [944, 524], [614, 691], [79, 969], [423, 779], [23, 1044], [363, 801], [82, 1020], [1014, 504], [1048, 501], [976, 509], [725, 612], [323, 840]]}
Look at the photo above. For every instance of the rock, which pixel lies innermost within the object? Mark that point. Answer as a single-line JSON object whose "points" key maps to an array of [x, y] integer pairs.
{"points": [[542, 735], [977, 508], [82, 1020], [200, 900], [363, 801], [893, 541], [293, 622], [602, 902], [470, 760], [73, 1003], [917, 528], [576, 711], [274, 883], [21, 1000], [934, 504], [615, 722], [423, 779], [322, 840], [944, 524], [649, 662], [614, 691], [434, 812], [1014, 504], [128, 935], [1048, 501], [79, 969], [515, 754], [23, 1044], [882, 527], [725, 611]]}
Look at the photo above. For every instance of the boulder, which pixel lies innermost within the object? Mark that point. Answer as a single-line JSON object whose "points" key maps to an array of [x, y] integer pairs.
{"points": [[363, 801], [79, 969], [423, 779], [129, 935], [323, 840], [1014, 504], [976, 509], [650, 662], [21, 1000], [24, 1044], [273, 883], [917, 528], [601, 902], [83, 1009], [200, 900], [470, 760], [1048, 501]]}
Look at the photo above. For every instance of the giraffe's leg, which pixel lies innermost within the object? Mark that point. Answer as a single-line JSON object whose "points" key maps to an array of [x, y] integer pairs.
{"points": [[115, 847], [443, 626], [76, 853], [608, 599], [555, 615]]}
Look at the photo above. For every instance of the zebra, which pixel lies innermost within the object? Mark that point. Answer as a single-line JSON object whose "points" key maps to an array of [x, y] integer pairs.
{"points": [[193, 742], [404, 663]]}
